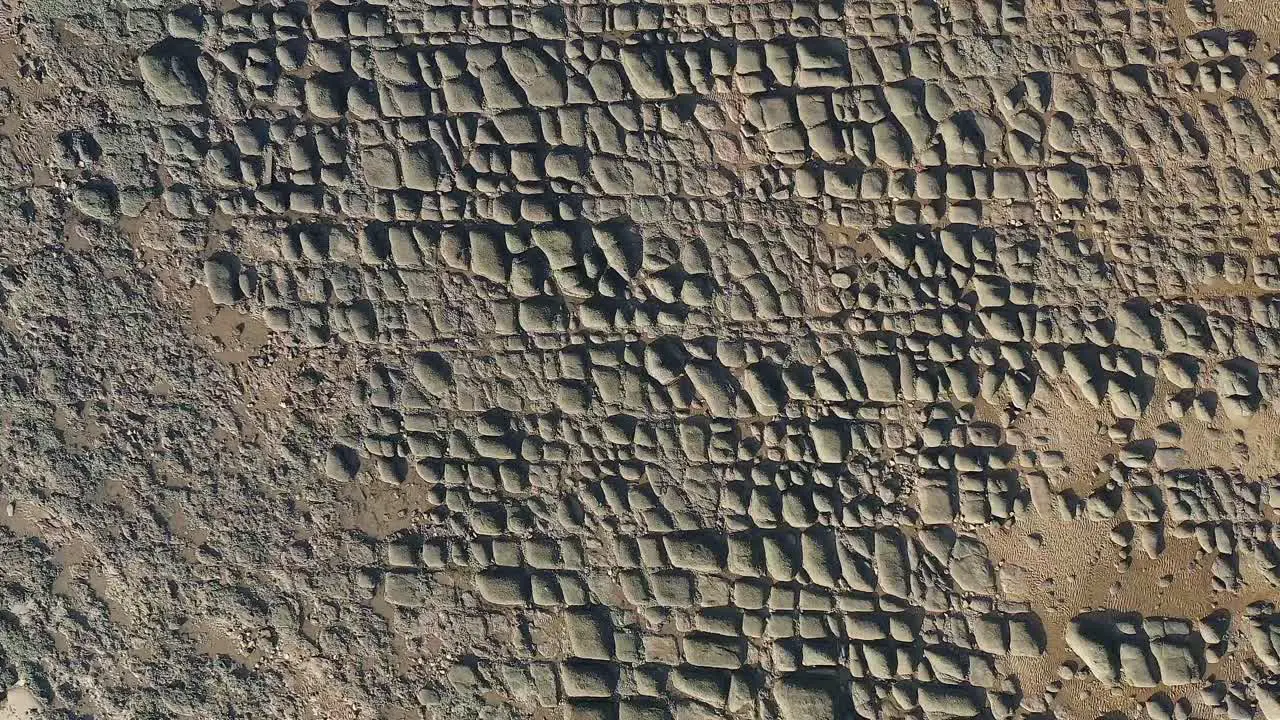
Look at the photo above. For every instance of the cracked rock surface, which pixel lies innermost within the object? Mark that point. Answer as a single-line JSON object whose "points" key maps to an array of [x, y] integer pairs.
{"points": [[795, 360]]}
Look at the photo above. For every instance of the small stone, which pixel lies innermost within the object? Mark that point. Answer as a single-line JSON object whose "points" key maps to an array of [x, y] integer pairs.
{"points": [[222, 278], [96, 201]]}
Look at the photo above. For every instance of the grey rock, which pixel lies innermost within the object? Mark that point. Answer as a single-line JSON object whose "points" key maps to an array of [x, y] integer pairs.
{"points": [[222, 278], [801, 697], [172, 74]]}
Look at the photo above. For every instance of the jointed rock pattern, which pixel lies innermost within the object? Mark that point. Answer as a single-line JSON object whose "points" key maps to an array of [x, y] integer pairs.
{"points": [[786, 360]]}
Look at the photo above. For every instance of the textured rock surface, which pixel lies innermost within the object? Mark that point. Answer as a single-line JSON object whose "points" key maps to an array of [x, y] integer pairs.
{"points": [[640, 361]]}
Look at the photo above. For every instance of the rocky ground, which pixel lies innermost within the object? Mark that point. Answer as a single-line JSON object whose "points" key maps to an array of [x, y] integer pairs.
{"points": [[792, 360]]}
